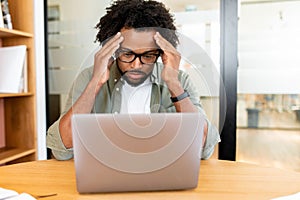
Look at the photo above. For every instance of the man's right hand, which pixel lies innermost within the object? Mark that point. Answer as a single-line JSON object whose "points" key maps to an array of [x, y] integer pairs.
{"points": [[103, 60], [84, 104]]}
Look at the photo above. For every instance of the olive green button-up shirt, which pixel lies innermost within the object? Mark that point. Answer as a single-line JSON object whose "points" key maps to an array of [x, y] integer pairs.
{"points": [[109, 99]]}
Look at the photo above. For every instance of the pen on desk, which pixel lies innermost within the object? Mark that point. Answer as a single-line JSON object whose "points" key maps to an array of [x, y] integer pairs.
{"points": [[43, 195]]}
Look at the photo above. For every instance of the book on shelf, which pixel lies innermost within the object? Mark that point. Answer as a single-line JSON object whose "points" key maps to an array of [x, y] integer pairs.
{"points": [[6, 14], [1, 18], [2, 124], [13, 69]]}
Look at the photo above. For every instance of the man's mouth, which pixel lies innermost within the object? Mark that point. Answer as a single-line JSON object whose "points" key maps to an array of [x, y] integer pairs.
{"points": [[135, 74]]}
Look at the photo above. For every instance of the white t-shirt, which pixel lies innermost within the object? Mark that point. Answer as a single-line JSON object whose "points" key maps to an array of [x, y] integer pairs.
{"points": [[136, 99]]}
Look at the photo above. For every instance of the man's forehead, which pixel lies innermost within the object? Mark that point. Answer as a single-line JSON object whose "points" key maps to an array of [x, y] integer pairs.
{"points": [[138, 40]]}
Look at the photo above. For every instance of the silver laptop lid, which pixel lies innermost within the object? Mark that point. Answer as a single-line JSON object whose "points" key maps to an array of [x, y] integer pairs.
{"points": [[137, 152]]}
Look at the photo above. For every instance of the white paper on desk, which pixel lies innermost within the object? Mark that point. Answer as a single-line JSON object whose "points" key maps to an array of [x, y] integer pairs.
{"points": [[5, 193], [12, 68], [289, 197], [22, 196]]}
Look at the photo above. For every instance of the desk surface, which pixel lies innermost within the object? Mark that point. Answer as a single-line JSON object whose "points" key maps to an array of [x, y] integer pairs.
{"points": [[217, 180]]}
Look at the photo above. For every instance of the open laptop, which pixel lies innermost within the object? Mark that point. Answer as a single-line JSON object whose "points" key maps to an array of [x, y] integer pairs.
{"points": [[137, 152]]}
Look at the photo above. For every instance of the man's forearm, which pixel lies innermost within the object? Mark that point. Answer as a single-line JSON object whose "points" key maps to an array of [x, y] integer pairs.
{"points": [[184, 105], [84, 104]]}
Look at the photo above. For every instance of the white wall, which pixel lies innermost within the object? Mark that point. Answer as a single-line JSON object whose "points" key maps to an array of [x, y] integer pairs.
{"points": [[269, 43], [40, 78], [200, 48]]}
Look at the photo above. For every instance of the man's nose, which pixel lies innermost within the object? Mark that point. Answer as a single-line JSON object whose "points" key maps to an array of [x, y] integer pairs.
{"points": [[136, 63]]}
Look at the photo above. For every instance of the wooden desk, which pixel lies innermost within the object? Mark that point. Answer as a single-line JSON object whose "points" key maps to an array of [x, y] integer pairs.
{"points": [[217, 180]]}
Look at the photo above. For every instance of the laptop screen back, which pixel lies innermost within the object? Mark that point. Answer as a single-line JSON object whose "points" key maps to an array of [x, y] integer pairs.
{"points": [[137, 152]]}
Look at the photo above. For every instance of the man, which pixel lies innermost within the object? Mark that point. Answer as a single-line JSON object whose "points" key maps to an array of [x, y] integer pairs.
{"points": [[126, 77]]}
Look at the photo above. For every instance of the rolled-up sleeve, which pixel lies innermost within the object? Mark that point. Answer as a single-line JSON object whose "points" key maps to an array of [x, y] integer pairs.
{"points": [[213, 136], [212, 139], [54, 142]]}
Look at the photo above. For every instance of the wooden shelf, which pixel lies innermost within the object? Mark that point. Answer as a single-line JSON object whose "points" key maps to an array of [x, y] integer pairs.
{"points": [[4, 32], [10, 154], [5, 95], [19, 109]]}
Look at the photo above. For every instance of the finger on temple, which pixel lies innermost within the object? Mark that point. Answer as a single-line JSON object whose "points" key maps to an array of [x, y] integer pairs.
{"points": [[164, 44], [110, 48], [113, 39]]}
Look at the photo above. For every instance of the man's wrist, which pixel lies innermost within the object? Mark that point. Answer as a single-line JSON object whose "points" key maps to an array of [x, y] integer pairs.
{"points": [[182, 96]]}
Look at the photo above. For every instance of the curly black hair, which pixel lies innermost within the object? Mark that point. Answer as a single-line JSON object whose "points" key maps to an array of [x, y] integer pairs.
{"points": [[138, 14]]}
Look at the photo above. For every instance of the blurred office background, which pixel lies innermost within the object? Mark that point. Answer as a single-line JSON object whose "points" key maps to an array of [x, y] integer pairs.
{"points": [[268, 101]]}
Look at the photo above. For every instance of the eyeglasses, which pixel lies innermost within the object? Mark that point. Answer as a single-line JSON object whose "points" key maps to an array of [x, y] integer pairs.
{"points": [[148, 57]]}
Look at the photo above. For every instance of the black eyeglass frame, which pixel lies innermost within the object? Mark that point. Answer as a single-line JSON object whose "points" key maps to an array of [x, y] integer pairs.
{"points": [[138, 55]]}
